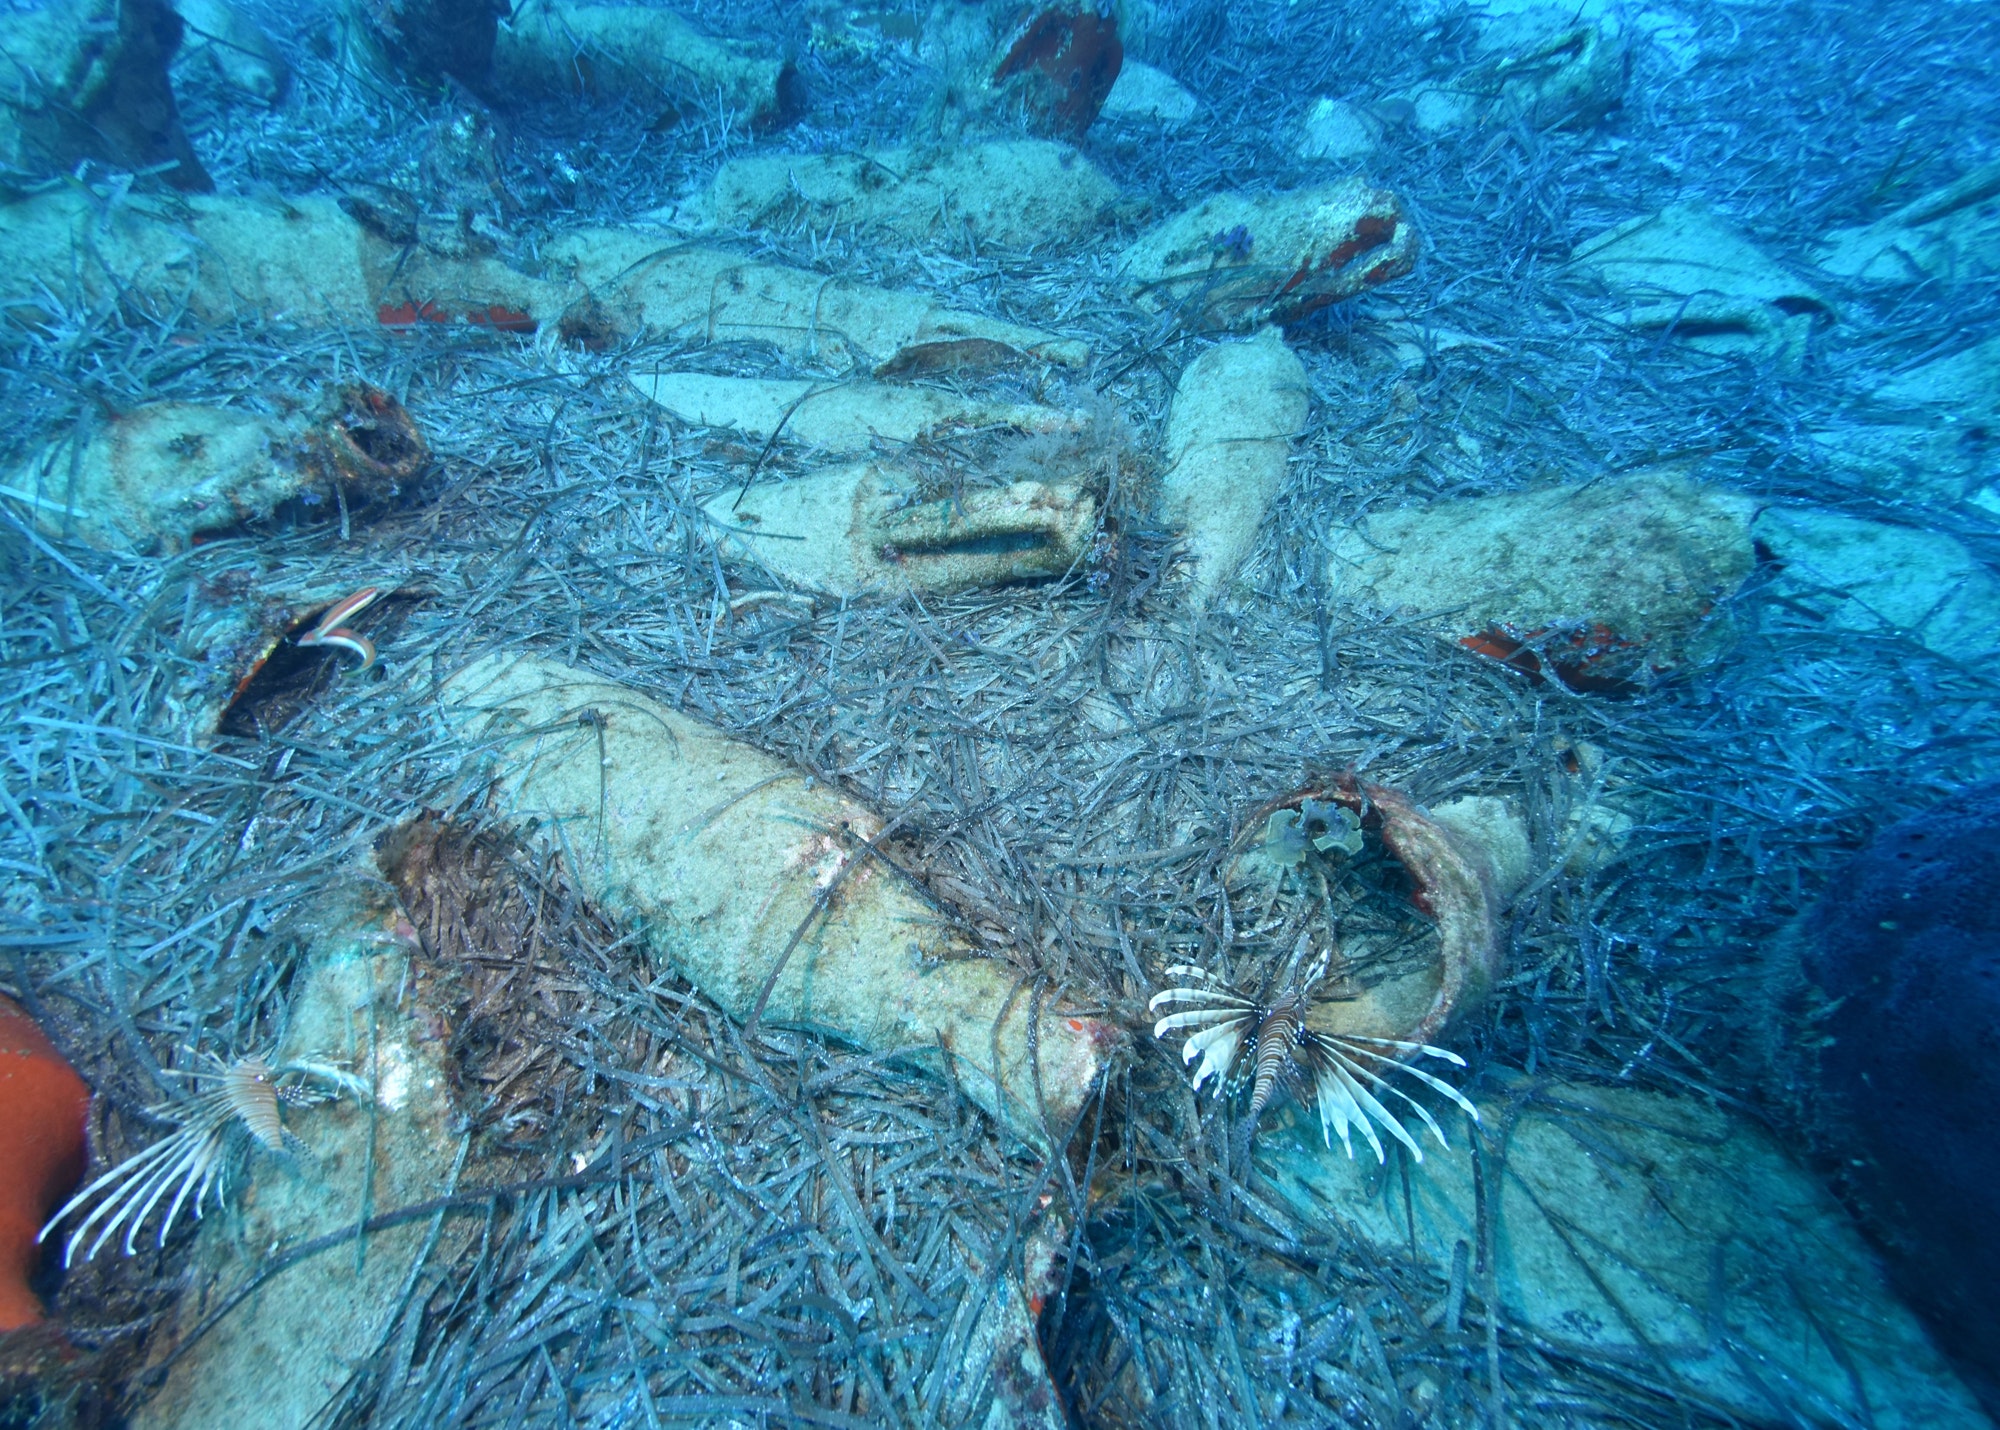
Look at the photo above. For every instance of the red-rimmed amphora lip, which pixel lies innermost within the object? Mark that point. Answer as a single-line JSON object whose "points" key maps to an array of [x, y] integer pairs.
{"points": [[1396, 986]]}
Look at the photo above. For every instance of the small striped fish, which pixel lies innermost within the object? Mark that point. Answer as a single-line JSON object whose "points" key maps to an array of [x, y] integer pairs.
{"points": [[193, 1160], [1344, 1074]]}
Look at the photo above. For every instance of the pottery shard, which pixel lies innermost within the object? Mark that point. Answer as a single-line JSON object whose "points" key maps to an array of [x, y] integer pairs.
{"points": [[157, 477], [85, 80], [1241, 260], [1567, 76], [650, 54], [1952, 233], [864, 529], [1229, 436], [308, 261], [1858, 575], [1336, 130], [667, 289], [1453, 883], [301, 260], [1658, 1237], [839, 416], [1014, 192], [1638, 562], [280, 1356], [722, 855], [1058, 65], [1926, 432], [1688, 271]]}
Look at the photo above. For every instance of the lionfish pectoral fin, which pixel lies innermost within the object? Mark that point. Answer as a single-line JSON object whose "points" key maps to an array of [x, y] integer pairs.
{"points": [[1201, 1018], [1218, 1048], [1372, 1105], [1336, 1085]]}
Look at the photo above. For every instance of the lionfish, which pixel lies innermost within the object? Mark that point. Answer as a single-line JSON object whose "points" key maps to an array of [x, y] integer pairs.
{"points": [[194, 1158], [1343, 1071]]}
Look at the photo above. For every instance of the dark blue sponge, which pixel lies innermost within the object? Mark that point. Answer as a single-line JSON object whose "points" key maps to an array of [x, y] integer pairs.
{"points": [[1908, 1094]]}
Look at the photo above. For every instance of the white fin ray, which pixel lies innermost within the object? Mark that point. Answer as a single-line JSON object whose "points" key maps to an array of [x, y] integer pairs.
{"points": [[1218, 1048], [1344, 1073], [1351, 1109], [1196, 995], [186, 1149], [1397, 1043], [133, 1170], [193, 1159], [1344, 1046], [200, 1155], [1200, 1018], [1422, 1112], [1391, 1123]]}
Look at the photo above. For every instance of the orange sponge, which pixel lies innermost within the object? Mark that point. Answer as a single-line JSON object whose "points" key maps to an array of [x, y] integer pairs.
{"points": [[44, 1107]]}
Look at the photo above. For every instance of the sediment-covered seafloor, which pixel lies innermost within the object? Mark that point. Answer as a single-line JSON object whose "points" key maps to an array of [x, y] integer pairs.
{"points": [[966, 714]]}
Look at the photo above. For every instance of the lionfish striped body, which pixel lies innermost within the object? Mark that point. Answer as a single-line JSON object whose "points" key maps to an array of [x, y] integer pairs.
{"points": [[1279, 1032], [1344, 1074], [191, 1162]]}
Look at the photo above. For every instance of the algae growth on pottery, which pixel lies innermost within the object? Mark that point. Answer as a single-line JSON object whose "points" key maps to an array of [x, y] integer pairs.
{"points": [[1102, 713]]}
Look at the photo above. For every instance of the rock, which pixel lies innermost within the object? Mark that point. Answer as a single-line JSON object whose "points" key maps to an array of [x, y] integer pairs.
{"points": [[1951, 234], [86, 80], [644, 53], [1144, 93], [280, 1355], [219, 37], [1240, 260], [1859, 575], [1654, 1233], [309, 261], [1336, 130], [1013, 192], [1900, 966], [1590, 835], [1610, 583], [1229, 438], [839, 417], [864, 529], [1688, 272], [720, 853]]}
